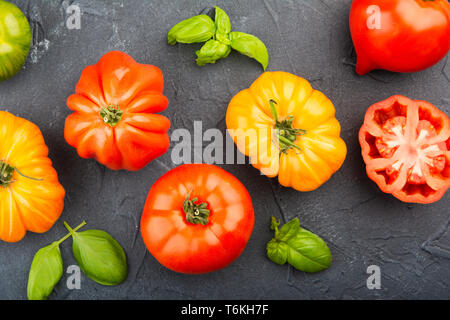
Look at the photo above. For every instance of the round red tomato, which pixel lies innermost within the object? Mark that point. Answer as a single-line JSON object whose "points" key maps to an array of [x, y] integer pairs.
{"points": [[399, 35], [197, 218], [405, 145]]}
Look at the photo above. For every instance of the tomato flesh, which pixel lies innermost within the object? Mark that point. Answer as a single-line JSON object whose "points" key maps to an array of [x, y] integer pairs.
{"points": [[420, 153]]}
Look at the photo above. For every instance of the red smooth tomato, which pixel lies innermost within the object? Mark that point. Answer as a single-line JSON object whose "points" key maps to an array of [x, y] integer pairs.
{"points": [[405, 145], [197, 218], [399, 35]]}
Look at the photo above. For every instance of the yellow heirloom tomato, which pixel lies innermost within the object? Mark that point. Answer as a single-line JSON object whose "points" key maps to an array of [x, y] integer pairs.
{"points": [[31, 197], [287, 129]]}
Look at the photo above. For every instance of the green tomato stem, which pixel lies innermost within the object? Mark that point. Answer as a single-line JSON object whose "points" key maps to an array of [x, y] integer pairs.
{"points": [[284, 131], [288, 142], [196, 213], [111, 115], [272, 104], [6, 174]]}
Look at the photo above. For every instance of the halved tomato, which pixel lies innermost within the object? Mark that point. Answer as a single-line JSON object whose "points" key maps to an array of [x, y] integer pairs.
{"points": [[405, 145]]}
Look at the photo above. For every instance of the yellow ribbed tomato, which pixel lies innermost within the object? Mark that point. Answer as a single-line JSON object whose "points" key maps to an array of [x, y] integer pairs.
{"points": [[31, 198], [287, 129]]}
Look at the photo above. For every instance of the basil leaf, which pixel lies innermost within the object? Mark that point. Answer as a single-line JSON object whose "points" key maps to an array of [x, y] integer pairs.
{"points": [[308, 252], [196, 29], [100, 256], [301, 248], [212, 51], [277, 251], [288, 230], [46, 271], [223, 38], [250, 46], [222, 21]]}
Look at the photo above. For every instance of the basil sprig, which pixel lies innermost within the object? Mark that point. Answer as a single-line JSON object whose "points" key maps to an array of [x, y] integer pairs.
{"points": [[218, 37], [98, 254], [46, 270], [301, 248]]}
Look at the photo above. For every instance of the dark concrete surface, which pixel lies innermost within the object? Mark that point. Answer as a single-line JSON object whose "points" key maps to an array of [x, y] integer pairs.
{"points": [[362, 226]]}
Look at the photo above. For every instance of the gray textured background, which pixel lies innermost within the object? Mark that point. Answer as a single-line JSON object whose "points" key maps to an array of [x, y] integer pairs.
{"points": [[361, 225]]}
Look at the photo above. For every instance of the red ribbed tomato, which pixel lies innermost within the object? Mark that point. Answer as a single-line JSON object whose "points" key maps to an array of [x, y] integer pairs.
{"points": [[115, 118]]}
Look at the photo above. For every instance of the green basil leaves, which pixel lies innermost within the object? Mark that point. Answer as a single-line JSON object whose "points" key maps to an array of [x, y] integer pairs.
{"points": [[250, 46], [196, 29], [218, 37], [302, 249], [46, 271], [98, 254], [222, 22], [211, 52]]}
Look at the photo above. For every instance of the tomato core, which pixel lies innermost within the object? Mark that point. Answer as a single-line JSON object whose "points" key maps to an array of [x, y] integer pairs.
{"points": [[6, 173], [111, 115], [196, 213], [284, 131], [419, 151]]}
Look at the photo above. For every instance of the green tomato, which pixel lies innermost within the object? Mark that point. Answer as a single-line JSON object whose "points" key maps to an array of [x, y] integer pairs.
{"points": [[15, 40]]}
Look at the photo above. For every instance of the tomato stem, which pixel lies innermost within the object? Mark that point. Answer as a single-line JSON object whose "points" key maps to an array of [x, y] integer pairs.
{"points": [[272, 104], [284, 131], [7, 172], [196, 213], [111, 115]]}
